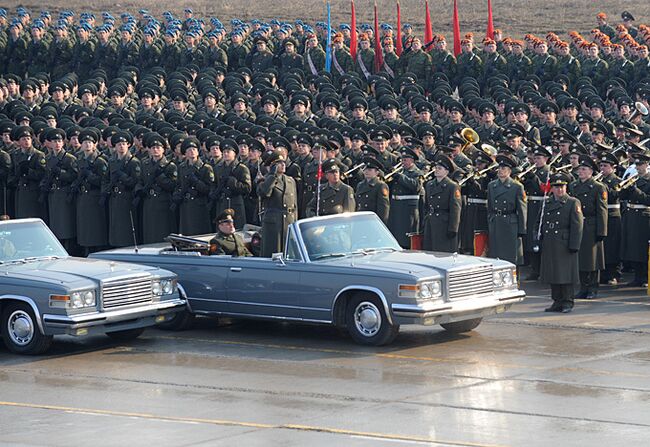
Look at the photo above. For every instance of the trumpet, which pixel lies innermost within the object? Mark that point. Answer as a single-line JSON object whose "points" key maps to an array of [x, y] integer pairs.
{"points": [[555, 159], [398, 168], [525, 172], [598, 176], [631, 180], [478, 174], [354, 168]]}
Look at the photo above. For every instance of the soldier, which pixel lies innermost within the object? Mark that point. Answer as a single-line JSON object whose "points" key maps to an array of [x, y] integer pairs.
{"points": [[233, 182], [405, 195], [83, 51], [38, 51], [365, 60], [236, 51], [335, 196], [469, 65], [443, 207], [261, 59], [561, 238], [29, 170], [494, 63], [157, 184], [519, 65], [342, 62], [61, 171], [227, 241], [253, 202], [279, 195], [60, 52], [372, 193], [418, 62], [544, 64], [567, 64], [123, 175], [214, 55], [608, 164], [193, 190], [149, 52], [594, 67], [507, 213], [92, 229], [593, 201], [6, 170], [314, 58], [474, 192], [290, 59]]}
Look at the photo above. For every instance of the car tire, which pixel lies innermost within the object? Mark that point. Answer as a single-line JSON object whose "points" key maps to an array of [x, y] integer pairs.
{"points": [[458, 327], [367, 322], [20, 331], [127, 334], [179, 322]]}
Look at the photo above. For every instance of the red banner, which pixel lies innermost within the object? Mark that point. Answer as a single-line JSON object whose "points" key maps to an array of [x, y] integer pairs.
{"points": [[428, 29], [379, 57], [490, 25], [353, 33], [398, 44], [456, 30]]}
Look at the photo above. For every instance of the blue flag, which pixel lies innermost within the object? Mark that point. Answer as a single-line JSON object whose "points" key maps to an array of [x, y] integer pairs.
{"points": [[328, 51]]}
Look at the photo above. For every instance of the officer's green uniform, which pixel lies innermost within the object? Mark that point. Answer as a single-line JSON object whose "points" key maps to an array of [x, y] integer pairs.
{"points": [[228, 244], [596, 69], [61, 172], [442, 221], [313, 60], [149, 57], [613, 240], [365, 63], [92, 228], [570, 67], [38, 54], [419, 63], [195, 181], [469, 65], [158, 182], [373, 196], [545, 66], [280, 204], [519, 67], [29, 171], [214, 56], [507, 220], [232, 185], [123, 176], [334, 199], [236, 57]]}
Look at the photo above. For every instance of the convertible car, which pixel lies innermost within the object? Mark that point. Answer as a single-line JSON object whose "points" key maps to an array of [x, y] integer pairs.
{"points": [[346, 269], [45, 292]]}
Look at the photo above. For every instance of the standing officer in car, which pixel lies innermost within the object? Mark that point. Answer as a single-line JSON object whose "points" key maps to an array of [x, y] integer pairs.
{"points": [[279, 202], [233, 182], [507, 213], [372, 193]]}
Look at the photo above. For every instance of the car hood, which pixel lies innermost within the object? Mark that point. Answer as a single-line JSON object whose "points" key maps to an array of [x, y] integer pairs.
{"points": [[73, 272], [419, 263]]}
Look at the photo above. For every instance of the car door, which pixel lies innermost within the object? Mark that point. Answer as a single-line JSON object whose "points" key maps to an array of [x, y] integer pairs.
{"points": [[263, 287]]}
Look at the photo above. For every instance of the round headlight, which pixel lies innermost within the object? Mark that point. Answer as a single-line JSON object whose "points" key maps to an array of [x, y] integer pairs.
{"points": [[76, 300], [167, 287], [507, 278], [435, 288], [156, 288], [425, 291], [89, 298], [496, 279]]}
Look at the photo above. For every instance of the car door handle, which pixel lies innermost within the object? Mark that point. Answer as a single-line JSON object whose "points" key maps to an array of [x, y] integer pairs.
{"points": [[235, 269]]}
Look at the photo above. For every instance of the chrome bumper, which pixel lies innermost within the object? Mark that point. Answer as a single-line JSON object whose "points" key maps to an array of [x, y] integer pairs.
{"points": [[113, 320], [437, 312]]}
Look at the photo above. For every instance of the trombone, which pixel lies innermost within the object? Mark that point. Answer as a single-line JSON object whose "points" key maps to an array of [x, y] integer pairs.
{"points": [[631, 180], [354, 168], [398, 168], [563, 167], [478, 174], [525, 172]]}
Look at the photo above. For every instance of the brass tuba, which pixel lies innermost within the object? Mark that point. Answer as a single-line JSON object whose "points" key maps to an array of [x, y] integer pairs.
{"points": [[470, 136]]}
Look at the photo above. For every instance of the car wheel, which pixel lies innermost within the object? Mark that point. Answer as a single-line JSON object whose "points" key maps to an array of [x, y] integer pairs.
{"points": [[127, 334], [20, 330], [367, 322], [458, 327], [179, 322]]}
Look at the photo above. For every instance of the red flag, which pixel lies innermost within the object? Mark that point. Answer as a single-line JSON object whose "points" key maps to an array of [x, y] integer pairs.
{"points": [[490, 25], [398, 44], [428, 29], [379, 57], [353, 34], [456, 30]]}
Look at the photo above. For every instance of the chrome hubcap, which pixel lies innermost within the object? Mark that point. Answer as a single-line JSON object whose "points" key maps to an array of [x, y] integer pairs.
{"points": [[21, 328], [367, 319]]}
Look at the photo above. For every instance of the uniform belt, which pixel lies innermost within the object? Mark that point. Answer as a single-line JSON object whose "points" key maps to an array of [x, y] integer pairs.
{"points": [[477, 201], [615, 206], [503, 213], [412, 197], [537, 198], [637, 207]]}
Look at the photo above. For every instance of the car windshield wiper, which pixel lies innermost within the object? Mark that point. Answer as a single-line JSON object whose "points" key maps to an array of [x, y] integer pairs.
{"points": [[329, 255], [375, 250]]}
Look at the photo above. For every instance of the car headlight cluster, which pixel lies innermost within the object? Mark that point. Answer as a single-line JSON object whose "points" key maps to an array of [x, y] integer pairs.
{"points": [[164, 287], [504, 278], [76, 300], [425, 290]]}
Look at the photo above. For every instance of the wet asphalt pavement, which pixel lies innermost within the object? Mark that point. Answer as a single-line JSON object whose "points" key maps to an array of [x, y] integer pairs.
{"points": [[525, 378]]}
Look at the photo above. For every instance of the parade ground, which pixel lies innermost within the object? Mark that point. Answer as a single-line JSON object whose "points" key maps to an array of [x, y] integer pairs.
{"points": [[524, 378]]}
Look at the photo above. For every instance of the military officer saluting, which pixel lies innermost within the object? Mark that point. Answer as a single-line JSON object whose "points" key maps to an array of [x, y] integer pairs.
{"points": [[442, 207], [372, 193], [507, 213], [561, 236], [226, 241], [335, 196], [593, 200], [279, 202]]}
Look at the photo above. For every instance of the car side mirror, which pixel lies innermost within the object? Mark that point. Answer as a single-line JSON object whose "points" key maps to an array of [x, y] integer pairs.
{"points": [[278, 257]]}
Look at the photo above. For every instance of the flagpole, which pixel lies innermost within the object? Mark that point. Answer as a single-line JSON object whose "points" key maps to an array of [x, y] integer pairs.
{"points": [[328, 55], [319, 176]]}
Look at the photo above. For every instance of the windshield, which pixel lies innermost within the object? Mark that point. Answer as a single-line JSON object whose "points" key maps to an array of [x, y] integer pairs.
{"points": [[27, 240], [346, 235]]}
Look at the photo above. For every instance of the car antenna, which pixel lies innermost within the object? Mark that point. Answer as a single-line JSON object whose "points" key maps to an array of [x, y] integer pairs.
{"points": [[135, 240]]}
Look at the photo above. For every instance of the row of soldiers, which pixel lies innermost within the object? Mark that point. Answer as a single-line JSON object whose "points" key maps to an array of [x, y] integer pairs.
{"points": [[125, 155]]}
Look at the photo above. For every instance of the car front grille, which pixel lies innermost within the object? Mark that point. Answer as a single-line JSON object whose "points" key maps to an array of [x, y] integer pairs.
{"points": [[471, 282], [127, 292]]}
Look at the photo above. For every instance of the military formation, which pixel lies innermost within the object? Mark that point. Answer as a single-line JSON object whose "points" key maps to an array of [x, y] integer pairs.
{"points": [[121, 130]]}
